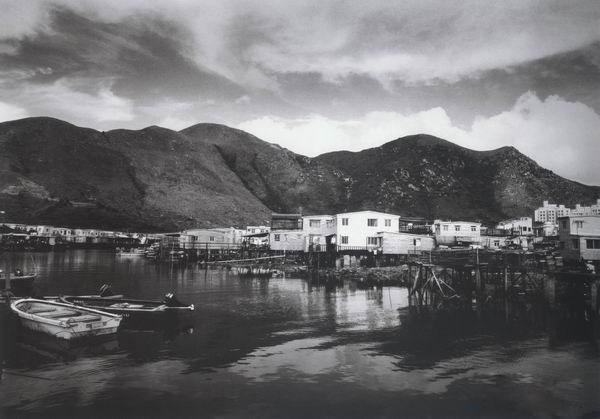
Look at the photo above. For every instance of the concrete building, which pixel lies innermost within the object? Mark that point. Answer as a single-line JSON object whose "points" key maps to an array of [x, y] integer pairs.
{"points": [[579, 237], [457, 233], [361, 229], [593, 209], [550, 212], [522, 226], [396, 243]]}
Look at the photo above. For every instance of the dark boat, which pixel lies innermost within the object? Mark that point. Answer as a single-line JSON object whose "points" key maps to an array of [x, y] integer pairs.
{"points": [[18, 279], [132, 310]]}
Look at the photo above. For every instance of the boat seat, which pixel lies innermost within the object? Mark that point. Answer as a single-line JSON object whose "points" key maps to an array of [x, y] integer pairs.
{"points": [[85, 318], [61, 313], [40, 310]]}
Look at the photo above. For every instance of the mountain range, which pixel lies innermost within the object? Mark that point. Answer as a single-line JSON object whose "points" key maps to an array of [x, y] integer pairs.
{"points": [[156, 179]]}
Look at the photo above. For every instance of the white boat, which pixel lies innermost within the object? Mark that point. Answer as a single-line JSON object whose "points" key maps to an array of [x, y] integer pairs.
{"points": [[64, 321]]}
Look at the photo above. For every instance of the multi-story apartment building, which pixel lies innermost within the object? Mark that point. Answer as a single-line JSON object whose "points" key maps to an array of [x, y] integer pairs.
{"points": [[550, 213]]}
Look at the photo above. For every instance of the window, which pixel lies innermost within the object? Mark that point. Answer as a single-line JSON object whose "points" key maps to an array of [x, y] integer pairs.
{"points": [[445, 227], [372, 240], [314, 223], [211, 238], [473, 228], [456, 228], [564, 224], [496, 242], [388, 222], [372, 222], [344, 221], [277, 237], [575, 243], [578, 224], [592, 244], [344, 239]]}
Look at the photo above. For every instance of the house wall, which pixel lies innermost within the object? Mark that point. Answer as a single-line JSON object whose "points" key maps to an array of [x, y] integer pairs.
{"points": [[404, 243], [575, 234], [315, 234], [521, 226], [357, 230], [494, 242], [446, 232], [288, 240]]}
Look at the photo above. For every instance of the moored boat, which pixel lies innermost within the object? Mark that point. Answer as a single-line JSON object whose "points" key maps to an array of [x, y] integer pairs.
{"points": [[131, 308], [18, 279], [64, 321], [132, 252]]}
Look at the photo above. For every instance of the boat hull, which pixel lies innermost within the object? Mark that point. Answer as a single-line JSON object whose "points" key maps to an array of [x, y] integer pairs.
{"points": [[64, 321], [139, 314]]}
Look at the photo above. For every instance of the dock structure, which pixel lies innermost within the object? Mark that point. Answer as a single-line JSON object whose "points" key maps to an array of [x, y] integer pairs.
{"points": [[484, 280]]}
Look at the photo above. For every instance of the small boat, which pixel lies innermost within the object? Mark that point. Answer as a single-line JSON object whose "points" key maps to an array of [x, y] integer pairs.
{"points": [[18, 279], [132, 252], [64, 321], [131, 308]]}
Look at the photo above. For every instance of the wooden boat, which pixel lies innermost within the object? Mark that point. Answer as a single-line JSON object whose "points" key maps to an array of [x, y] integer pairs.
{"points": [[18, 279], [131, 308], [132, 253], [64, 321]]}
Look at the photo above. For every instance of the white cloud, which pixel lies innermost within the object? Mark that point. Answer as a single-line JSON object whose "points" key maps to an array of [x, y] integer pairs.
{"points": [[10, 112], [63, 99], [559, 135]]}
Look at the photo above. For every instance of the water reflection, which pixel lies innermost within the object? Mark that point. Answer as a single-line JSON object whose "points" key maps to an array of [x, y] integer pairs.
{"points": [[289, 347]]}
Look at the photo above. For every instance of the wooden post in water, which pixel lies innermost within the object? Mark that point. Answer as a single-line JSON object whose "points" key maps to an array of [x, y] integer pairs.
{"points": [[8, 272]]}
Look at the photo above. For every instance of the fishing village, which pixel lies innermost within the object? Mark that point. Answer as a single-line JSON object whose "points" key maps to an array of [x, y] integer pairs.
{"points": [[549, 260], [299, 209]]}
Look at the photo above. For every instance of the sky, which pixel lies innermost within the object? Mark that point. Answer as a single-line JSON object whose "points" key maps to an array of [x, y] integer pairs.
{"points": [[318, 76]]}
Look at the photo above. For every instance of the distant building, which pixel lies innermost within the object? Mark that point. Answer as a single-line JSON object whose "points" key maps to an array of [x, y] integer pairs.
{"points": [[586, 210], [579, 237], [361, 229], [522, 226], [550, 212], [458, 233]]}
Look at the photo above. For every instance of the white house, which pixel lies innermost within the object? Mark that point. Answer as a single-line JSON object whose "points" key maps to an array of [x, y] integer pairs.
{"points": [[396, 243], [361, 228], [580, 237], [522, 226], [457, 232]]}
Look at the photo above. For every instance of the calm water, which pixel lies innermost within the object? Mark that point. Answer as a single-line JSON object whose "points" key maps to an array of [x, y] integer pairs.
{"points": [[285, 348]]}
